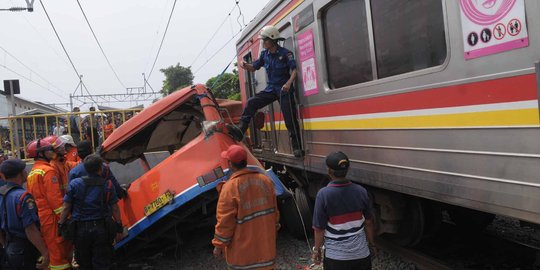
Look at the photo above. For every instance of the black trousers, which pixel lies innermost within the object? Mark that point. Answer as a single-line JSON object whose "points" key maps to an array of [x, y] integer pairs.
{"points": [[288, 108], [361, 264], [93, 247], [21, 254]]}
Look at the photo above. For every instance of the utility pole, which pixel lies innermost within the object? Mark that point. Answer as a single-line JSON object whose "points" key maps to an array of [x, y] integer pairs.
{"points": [[29, 7], [13, 87]]}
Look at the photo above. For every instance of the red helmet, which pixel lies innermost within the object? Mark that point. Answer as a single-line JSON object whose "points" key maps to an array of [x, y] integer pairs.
{"points": [[40, 145], [54, 141]]}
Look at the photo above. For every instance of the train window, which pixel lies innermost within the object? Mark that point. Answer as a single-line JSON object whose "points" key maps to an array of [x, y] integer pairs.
{"points": [[347, 43], [409, 35]]}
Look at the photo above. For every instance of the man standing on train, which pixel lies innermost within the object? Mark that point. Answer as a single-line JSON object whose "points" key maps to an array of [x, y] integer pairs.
{"points": [[281, 72]]}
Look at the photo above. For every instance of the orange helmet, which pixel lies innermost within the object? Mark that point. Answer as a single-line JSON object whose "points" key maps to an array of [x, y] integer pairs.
{"points": [[40, 145]]}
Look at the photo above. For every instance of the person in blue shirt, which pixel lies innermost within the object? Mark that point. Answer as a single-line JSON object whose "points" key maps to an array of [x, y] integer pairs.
{"points": [[84, 149], [281, 72], [92, 203], [20, 223], [343, 221]]}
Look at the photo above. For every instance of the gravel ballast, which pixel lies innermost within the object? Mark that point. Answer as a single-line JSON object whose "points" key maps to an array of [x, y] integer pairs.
{"points": [[292, 254]]}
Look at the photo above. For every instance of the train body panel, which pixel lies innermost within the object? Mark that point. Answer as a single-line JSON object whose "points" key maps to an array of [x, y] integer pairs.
{"points": [[450, 129]]}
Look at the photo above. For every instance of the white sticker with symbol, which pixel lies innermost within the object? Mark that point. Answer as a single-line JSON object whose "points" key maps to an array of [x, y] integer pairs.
{"points": [[492, 26]]}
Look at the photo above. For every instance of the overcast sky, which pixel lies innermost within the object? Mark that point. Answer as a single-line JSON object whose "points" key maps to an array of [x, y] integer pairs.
{"points": [[129, 31]]}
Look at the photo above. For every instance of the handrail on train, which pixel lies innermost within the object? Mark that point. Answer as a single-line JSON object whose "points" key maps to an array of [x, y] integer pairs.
{"points": [[38, 126]]}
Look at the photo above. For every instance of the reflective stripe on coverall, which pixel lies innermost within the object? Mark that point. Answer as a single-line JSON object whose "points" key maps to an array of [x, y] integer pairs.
{"points": [[43, 184], [247, 216]]}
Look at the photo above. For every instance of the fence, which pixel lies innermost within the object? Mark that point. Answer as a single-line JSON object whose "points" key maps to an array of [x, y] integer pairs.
{"points": [[94, 126]]}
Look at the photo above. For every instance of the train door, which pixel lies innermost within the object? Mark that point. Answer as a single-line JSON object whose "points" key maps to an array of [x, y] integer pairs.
{"points": [[281, 135], [260, 138], [274, 135]]}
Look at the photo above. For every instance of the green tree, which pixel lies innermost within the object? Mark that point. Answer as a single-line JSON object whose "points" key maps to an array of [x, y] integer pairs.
{"points": [[176, 77], [228, 86]]}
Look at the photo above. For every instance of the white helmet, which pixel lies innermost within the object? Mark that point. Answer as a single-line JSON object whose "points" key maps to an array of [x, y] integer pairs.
{"points": [[270, 32], [67, 139]]}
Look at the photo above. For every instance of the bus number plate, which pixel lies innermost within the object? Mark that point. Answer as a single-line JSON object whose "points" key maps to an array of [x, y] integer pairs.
{"points": [[158, 203]]}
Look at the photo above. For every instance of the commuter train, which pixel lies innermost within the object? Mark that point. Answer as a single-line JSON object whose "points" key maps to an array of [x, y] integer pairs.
{"points": [[434, 101]]}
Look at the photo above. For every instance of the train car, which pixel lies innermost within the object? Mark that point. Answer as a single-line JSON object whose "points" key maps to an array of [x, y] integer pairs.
{"points": [[168, 157], [435, 102]]}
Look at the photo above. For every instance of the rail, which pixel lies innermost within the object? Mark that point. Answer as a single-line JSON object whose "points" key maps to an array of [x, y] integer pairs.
{"points": [[94, 126]]}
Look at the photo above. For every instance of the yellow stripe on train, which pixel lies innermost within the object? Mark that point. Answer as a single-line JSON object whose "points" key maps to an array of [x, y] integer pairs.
{"points": [[504, 118]]}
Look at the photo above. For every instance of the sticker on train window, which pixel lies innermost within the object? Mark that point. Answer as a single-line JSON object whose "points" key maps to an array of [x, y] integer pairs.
{"points": [[493, 26]]}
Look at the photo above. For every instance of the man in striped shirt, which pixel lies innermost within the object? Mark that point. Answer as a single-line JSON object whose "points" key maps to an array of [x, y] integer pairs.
{"points": [[343, 220]]}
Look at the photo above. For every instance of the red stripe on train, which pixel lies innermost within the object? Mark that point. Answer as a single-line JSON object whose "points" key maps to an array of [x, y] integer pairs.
{"points": [[512, 89]]}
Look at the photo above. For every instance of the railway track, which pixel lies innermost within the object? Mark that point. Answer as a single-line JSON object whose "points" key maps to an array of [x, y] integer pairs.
{"points": [[419, 259]]}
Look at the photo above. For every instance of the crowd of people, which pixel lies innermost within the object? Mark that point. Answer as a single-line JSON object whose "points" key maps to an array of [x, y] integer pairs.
{"points": [[95, 127], [63, 213]]}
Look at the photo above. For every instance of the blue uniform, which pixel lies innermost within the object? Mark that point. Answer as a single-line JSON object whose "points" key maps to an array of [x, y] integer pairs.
{"points": [[92, 209], [18, 211], [79, 171], [91, 201], [278, 66], [21, 211]]}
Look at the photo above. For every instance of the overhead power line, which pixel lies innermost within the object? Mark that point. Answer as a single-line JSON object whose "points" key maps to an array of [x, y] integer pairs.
{"points": [[218, 51], [162, 39], [79, 76], [99, 44], [33, 71], [32, 81], [242, 25], [213, 36], [60, 40]]}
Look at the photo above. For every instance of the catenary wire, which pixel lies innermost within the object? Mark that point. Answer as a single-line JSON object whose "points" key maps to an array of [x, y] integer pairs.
{"points": [[162, 16], [33, 71], [32, 81], [162, 39], [65, 51], [42, 37], [99, 45], [218, 51], [59, 39], [212, 37]]}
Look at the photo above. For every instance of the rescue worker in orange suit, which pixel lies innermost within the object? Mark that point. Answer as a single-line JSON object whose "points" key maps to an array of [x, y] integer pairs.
{"points": [[20, 223], [71, 149], [247, 216], [60, 163], [281, 73], [43, 184]]}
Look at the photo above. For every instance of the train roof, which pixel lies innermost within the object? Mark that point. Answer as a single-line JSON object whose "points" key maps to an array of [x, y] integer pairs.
{"points": [[261, 16]]}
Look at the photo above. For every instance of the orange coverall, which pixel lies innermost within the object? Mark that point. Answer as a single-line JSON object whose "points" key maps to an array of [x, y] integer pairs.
{"points": [[63, 168], [43, 184], [108, 130], [73, 156], [247, 217]]}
